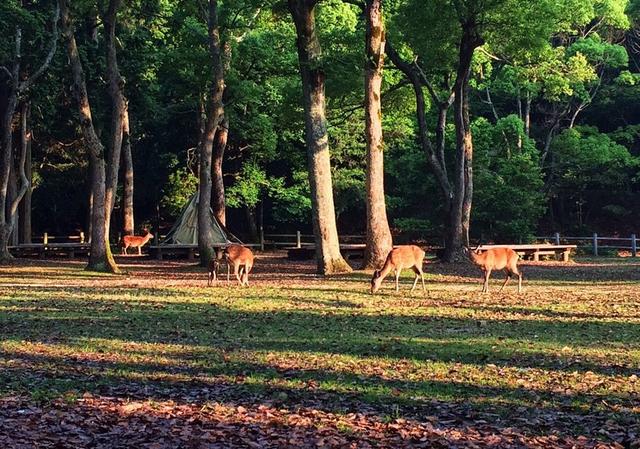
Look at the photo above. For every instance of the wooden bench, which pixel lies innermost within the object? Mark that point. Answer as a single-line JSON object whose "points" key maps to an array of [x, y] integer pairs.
{"points": [[537, 250], [41, 250]]}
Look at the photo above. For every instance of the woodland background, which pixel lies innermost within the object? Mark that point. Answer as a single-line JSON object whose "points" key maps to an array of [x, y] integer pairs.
{"points": [[554, 108]]}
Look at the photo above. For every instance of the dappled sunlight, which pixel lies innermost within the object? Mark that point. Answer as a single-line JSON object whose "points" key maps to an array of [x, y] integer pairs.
{"points": [[564, 357]]}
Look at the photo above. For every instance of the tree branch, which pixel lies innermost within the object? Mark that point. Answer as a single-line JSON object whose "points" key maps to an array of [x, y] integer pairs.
{"points": [[7, 71], [52, 51]]}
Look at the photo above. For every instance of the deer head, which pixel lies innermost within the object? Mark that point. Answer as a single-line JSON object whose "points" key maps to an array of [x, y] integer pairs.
{"points": [[376, 281]]}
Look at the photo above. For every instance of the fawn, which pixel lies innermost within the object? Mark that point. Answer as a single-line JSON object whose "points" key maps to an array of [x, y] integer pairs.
{"points": [[401, 257], [237, 255], [496, 259], [135, 241]]}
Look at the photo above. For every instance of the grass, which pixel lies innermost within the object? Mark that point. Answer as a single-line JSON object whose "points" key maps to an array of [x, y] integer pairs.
{"points": [[562, 357]]}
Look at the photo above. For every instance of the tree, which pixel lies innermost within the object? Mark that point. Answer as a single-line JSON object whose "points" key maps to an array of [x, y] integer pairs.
{"points": [[100, 257], [379, 241], [119, 117], [329, 259], [214, 117], [127, 177], [20, 82]]}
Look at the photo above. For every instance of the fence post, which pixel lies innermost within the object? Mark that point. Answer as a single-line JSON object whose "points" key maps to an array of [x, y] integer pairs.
{"points": [[556, 237], [298, 240], [595, 244], [634, 246], [261, 238], [45, 238]]}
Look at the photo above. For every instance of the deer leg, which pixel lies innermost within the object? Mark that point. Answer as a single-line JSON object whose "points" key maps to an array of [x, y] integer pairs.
{"points": [[236, 271], [247, 269], [397, 280], [506, 280], [415, 281], [519, 281], [139, 250], [485, 287], [228, 270]]}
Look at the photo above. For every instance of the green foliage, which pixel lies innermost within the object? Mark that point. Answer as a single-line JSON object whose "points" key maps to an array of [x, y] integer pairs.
{"points": [[508, 180], [182, 184], [584, 157]]}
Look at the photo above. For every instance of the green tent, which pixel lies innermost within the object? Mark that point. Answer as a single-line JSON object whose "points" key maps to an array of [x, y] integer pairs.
{"points": [[185, 229]]}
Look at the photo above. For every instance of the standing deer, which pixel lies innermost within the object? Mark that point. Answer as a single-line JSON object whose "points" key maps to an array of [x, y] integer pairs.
{"points": [[134, 241], [496, 259], [237, 255], [399, 258]]}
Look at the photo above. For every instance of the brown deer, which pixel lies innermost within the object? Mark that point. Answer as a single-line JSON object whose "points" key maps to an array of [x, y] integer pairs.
{"points": [[237, 255], [399, 258], [496, 259], [135, 241]]}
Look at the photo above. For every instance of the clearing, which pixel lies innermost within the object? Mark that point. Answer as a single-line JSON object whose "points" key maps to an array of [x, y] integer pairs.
{"points": [[156, 359]]}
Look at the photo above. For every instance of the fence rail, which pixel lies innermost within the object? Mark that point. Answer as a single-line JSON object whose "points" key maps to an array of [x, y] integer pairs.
{"points": [[597, 242]]}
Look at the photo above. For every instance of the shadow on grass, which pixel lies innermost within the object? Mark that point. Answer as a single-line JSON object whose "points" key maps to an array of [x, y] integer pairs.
{"points": [[526, 343], [329, 391]]}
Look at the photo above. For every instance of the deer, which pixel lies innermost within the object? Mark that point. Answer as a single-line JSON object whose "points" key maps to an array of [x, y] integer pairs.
{"points": [[237, 255], [400, 258], [496, 259], [135, 241]]}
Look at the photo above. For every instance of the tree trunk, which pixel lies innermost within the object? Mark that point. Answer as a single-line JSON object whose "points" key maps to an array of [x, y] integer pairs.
{"points": [[215, 113], [100, 257], [12, 194], [252, 223], [379, 242], [127, 179], [328, 255], [527, 114], [435, 158], [7, 153], [460, 213], [218, 201], [118, 111], [25, 210]]}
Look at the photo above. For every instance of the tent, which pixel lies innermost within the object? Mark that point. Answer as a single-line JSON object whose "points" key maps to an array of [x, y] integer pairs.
{"points": [[185, 229]]}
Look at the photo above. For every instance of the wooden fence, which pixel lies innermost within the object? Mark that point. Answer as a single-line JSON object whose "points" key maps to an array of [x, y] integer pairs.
{"points": [[596, 242]]}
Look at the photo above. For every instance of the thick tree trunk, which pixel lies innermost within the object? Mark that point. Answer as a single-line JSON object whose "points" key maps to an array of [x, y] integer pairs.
{"points": [[219, 145], [215, 113], [118, 111], [100, 257], [379, 242], [460, 213], [127, 179], [328, 255]]}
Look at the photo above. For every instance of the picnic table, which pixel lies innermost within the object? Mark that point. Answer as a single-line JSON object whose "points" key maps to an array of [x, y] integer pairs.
{"points": [[538, 249]]}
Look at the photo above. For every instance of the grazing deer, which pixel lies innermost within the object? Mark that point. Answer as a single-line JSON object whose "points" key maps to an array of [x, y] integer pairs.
{"points": [[237, 255], [496, 259], [135, 241], [399, 258]]}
